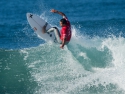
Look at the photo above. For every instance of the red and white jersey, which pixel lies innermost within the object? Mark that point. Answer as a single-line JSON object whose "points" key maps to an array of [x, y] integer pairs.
{"points": [[66, 30]]}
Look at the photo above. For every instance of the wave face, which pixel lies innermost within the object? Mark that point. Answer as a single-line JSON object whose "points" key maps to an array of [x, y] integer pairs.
{"points": [[86, 65]]}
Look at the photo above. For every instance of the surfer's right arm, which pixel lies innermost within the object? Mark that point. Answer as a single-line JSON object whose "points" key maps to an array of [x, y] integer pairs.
{"points": [[58, 12]]}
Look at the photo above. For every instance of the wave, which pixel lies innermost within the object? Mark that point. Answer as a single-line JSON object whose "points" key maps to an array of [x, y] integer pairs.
{"points": [[86, 65]]}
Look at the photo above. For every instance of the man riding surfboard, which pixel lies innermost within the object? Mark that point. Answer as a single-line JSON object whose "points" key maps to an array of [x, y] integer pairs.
{"points": [[63, 37]]}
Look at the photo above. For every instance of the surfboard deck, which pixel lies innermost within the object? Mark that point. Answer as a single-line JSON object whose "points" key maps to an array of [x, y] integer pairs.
{"points": [[37, 24]]}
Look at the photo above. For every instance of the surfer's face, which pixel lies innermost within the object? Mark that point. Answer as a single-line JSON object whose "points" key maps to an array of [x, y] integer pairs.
{"points": [[61, 24]]}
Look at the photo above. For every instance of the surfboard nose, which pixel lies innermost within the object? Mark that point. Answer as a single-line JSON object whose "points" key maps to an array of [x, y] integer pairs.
{"points": [[29, 15]]}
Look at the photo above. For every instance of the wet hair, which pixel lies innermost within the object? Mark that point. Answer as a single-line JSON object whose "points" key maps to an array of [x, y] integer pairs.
{"points": [[63, 21]]}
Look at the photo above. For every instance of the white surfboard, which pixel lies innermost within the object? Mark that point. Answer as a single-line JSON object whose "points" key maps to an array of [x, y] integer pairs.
{"points": [[37, 24]]}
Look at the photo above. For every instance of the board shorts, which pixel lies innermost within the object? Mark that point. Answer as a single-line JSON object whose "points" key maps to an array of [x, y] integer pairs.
{"points": [[57, 34]]}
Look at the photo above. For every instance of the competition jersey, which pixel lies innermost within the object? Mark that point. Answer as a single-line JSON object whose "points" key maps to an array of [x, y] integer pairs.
{"points": [[66, 31]]}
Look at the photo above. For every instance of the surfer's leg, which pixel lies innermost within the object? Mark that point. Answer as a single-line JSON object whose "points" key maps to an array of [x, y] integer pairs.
{"points": [[50, 30], [57, 34]]}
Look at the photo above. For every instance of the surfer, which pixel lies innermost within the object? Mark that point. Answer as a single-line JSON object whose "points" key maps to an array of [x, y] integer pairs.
{"points": [[63, 37]]}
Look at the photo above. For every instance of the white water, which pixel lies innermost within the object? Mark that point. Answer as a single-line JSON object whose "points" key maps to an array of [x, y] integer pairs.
{"points": [[65, 71]]}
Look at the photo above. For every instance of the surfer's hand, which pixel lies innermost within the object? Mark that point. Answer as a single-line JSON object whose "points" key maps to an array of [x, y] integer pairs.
{"points": [[53, 10], [62, 47]]}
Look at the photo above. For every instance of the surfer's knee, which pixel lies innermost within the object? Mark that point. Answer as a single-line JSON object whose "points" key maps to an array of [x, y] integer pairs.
{"points": [[55, 28], [51, 30]]}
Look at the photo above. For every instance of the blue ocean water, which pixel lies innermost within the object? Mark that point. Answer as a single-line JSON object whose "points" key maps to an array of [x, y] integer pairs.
{"points": [[92, 63]]}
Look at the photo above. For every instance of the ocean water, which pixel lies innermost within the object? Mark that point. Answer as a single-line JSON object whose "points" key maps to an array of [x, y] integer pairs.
{"points": [[92, 63]]}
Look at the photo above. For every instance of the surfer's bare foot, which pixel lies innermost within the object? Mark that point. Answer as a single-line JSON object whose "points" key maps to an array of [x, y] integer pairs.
{"points": [[46, 24], [44, 28], [35, 28]]}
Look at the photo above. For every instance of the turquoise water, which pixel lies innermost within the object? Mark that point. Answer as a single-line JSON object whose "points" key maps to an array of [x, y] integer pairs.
{"points": [[92, 63]]}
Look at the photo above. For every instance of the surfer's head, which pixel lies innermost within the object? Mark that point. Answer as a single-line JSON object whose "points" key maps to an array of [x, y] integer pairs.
{"points": [[63, 22]]}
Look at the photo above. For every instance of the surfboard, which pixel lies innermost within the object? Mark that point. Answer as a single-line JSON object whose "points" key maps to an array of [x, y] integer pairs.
{"points": [[37, 24]]}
